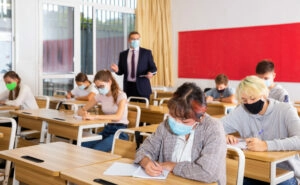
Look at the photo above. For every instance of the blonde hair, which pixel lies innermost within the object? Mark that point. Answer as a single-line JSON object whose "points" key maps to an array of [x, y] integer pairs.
{"points": [[251, 86]]}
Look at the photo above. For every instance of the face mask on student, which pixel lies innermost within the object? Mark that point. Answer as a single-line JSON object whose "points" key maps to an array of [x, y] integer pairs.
{"points": [[11, 86], [255, 108], [179, 128], [103, 90], [268, 82], [135, 44], [82, 87], [221, 91]]}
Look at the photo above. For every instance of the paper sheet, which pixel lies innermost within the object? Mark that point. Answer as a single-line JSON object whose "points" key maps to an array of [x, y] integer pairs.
{"points": [[125, 169]]}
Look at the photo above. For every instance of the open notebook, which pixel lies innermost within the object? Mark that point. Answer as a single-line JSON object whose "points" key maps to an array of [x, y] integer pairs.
{"points": [[125, 169]]}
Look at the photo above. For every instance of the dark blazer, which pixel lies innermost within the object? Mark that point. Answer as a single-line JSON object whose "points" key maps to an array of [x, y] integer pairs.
{"points": [[145, 64]]}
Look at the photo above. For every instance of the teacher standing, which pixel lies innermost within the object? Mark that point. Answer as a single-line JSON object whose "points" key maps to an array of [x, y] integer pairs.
{"points": [[138, 67]]}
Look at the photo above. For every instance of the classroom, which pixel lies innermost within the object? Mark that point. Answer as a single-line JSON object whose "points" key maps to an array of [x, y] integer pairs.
{"points": [[48, 42]]}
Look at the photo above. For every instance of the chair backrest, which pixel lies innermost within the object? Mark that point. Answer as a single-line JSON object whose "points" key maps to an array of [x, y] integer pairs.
{"points": [[134, 116], [8, 127], [135, 98], [124, 148], [163, 101], [235, 165], [43, 101]]}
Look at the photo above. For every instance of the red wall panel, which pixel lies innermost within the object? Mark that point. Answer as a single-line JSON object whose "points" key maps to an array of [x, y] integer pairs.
{"points": [[236, 51]]}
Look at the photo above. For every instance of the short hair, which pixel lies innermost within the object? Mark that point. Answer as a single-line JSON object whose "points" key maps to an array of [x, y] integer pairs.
{"points": [[251, 86], [133, 33], [181, 104], [81, 77], [221, 79], [265, 66]]}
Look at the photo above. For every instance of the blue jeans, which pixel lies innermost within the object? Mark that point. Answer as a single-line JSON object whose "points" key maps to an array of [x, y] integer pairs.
{"points": [[107, 138], [248, 181]]}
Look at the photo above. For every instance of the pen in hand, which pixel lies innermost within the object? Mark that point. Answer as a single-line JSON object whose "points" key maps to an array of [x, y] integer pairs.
{"points": [[157, 166]]}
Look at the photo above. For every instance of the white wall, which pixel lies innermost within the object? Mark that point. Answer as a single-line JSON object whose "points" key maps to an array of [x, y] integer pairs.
{"points": [[210, 14]]}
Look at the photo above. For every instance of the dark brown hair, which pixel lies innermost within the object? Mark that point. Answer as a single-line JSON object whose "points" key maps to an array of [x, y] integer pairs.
{"points": [[133, 33], [105, 75], [264, 66], [221, 79], [181, 104], [81, 77], [13, 75]]}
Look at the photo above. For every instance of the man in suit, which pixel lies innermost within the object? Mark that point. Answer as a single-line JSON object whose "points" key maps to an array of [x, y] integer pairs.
{"points": [[138, 67]]}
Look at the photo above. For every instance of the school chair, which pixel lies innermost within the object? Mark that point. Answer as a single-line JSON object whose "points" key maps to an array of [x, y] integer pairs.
{"points": [[163, 101], [134, 115], [7, 142], [139, 99], [235, 165], [125, 148]]}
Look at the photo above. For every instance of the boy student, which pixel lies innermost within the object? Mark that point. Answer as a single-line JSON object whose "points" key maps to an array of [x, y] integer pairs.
{"points": [[221, 92], [266, 125], [265, 71]]}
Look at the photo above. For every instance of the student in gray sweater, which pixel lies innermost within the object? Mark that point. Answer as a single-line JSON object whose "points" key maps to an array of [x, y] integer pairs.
{"points": [[189, 143], [267, 124]]}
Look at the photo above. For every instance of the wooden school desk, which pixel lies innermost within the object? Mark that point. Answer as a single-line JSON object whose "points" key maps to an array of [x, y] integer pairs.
{"points": [[262, 166], [56, 157], [58, 123], [217, 108], [1, 135], [85, 176], [72, 102], [151, 114]]}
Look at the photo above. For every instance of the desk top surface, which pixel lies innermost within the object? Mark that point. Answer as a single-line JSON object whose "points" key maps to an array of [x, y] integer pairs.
{"points": [[71, 101], [1, 135], [217, 103], [149, 128], [9, 107], [269, 156], [151, 108], [57, 156], [85, 175], [55, 116]]}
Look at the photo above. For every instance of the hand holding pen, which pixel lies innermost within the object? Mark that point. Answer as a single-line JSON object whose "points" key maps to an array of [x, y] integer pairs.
{"points": [[256, 144], [151, 167]]}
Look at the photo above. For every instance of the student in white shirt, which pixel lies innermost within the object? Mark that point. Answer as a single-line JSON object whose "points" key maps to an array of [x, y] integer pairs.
{"points": [[85, 89], [17, 93]]}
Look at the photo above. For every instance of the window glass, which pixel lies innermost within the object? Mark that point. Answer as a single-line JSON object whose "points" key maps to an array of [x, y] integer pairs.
{"points": [[5, 35], [58, 39], [52, 84], [111, 36]]}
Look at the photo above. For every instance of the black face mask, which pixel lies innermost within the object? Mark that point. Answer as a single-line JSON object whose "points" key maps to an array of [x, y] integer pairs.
{"points": [[255, 108], [221, 91]]}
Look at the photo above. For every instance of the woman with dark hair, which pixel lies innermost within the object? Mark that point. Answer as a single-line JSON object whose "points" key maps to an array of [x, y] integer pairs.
{"points": [[189, 143], [114, 106], [17, 93], [85, 89]]}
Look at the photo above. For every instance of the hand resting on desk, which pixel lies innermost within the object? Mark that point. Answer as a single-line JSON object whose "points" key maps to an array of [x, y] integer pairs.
{"points": [[252, 143]]}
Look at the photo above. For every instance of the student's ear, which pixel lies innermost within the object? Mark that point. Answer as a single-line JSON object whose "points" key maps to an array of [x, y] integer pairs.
{"points": [[274, 75]]}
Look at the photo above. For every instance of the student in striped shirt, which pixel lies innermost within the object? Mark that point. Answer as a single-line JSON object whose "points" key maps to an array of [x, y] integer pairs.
{"points": [[265, 71]]}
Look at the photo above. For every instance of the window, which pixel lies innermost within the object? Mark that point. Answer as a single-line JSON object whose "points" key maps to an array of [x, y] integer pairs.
{"points": [[6, 35], [104, 26]]}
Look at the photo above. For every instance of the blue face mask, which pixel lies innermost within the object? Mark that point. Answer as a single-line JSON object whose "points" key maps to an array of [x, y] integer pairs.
{"points": [[135, 44], [103, 90], [81, 87], [268, 82], [179, 128]]}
